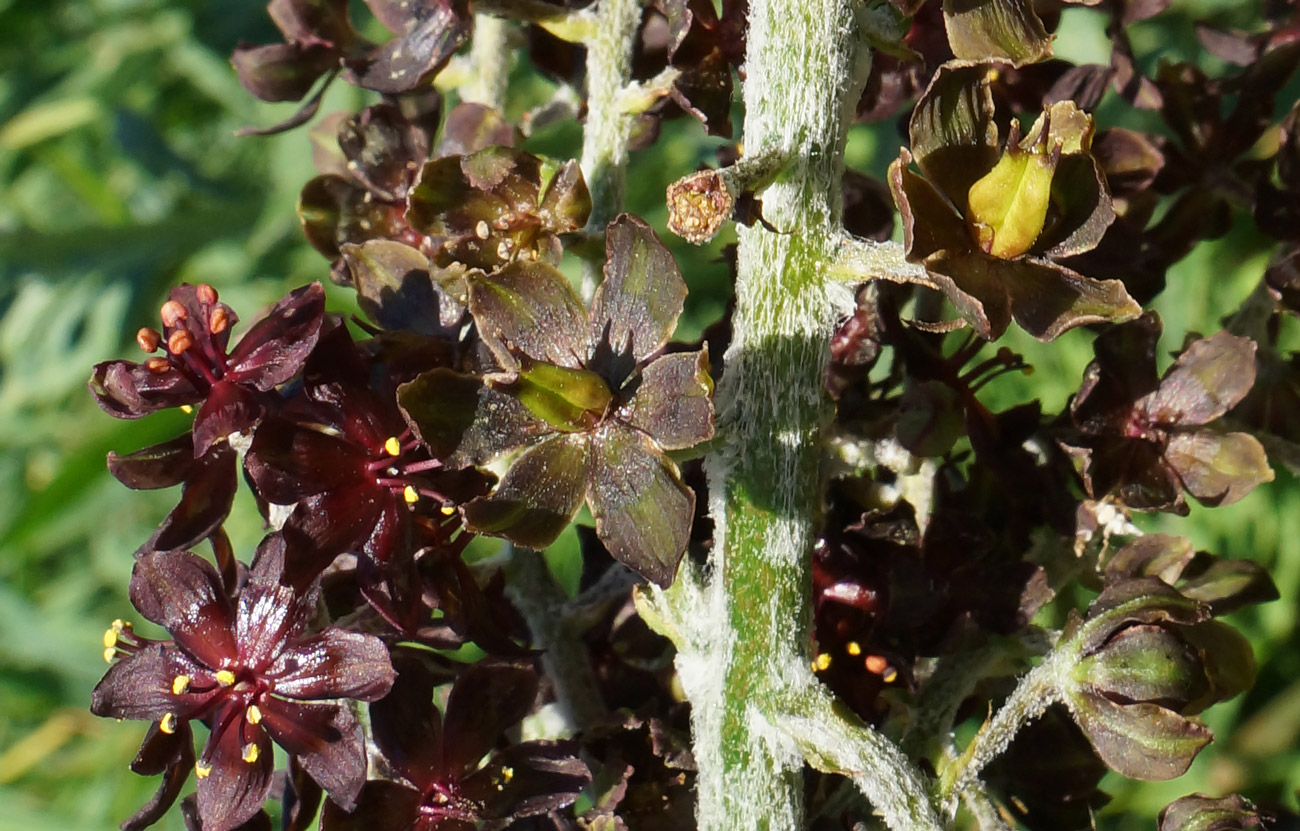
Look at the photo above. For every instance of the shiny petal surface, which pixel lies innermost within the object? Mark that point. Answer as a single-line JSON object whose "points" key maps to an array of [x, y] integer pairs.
{"points": [[183, 593], [334, 664], [538, 496]]}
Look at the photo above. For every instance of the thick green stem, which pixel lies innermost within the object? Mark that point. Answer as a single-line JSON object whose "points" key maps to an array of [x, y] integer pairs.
{"points": [[490, 57], [803, 73], [608, 128]]}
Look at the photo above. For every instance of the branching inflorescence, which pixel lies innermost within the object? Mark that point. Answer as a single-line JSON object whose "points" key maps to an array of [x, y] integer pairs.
{"points": [[883, 551]]}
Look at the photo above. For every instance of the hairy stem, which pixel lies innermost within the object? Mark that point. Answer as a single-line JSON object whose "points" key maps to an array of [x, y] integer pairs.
{"points": [[608, 128], [489, 59]]}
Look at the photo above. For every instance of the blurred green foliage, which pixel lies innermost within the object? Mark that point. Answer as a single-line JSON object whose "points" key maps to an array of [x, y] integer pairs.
{"points": [[120, 175]]}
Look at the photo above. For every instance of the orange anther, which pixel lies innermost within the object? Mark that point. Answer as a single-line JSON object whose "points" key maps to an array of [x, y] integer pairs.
{"points": [[148, 339], [207, 294], [173, 312], [179, 341], [158, 366], [219, 321], [876, 664]]}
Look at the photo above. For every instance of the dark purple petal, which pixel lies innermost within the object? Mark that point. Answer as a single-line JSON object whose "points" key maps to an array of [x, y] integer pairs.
{"points": [[169, 754], [566, 203], [435, 30], [160, 466], [184, 594], [1141, 741], [530, 308], [206, 497], [486, 700], [673, 402], [528, 779], [471, 127], [234, 790], [228, 409], [385, 805], [288, 462], [282, 71], [930, 222], [139, 686], [539, 495], [405, 725], [1048, 299], [636, 308], [953, 135], [327, 740], [642, 508], [334, 664], [996, 29], [395, 288], [276, 347], [1208, 379], [128, 390], [271, 614]]}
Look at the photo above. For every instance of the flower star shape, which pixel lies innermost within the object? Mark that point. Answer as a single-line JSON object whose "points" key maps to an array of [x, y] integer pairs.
{"points": [[581, 393], [250, 672], [440, 778]]}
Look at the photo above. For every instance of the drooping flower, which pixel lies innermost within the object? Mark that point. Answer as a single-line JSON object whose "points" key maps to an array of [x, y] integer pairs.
{"points": [[582, 393], [247, 668]]}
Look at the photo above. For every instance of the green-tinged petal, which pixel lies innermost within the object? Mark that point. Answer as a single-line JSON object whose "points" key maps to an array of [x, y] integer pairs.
{"points": [[1140, 741], [643, 510], [1048, 299], [465, 421], [975, 288], [570, 400], [981, 30], [635, 310], [444, 202], [930, 223], [1229, 585], [1218, 470], [1136, 600], [566, 203], [529, 309], [538, 496], [395, 288], [1206, 381], [673, 403], [1228, 660], [1152, 555], [1199, 812], [953, 135]]}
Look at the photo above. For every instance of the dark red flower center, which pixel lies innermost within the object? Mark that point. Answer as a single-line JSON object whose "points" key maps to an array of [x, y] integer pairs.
{"points": [[193, 339]]}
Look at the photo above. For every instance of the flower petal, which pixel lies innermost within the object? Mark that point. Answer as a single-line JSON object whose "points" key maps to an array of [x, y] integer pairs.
{"points": [[334, 664], [327, 740], [993, 29], [234, 790], [128, 390], [642, 508], [288, 462], [172, 755], [1141, 741], [530, 308], [1218, 469], [673, 403], [538, 496], [271, 614], [485, 701], [636, 308], [953, 135], [139, 686], [465, 421], [160, 466], [184, 594], [276, 347], [386, 805], [528, 779], [1208, 379], [206, 497]]}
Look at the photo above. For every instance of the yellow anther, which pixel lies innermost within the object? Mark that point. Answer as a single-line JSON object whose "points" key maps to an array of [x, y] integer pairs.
{"points": [[853, 648], [448, 510], [254, 714], [410, 495], [120, 625], [392, 446], [109, 654], [507, 773], [889, 675], [180, 684], [167, 723], [110, 638], [202, 770], [225, 677], [251, 753], [187, 409], [822, 662]]}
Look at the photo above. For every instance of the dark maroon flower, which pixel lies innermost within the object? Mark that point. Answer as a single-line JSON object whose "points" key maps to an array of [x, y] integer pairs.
{"points": [[197, 368], [248, 670], [1146, 439], [439, 780]]}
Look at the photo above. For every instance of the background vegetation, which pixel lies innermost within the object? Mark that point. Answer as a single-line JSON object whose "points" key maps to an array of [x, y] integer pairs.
{"points": [[120, 175]]}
